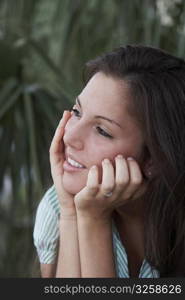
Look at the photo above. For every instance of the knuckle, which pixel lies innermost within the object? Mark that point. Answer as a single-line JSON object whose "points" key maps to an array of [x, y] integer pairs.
{"points": [[50, 150], [108, 188], [127, 196], [92, 188], [137, 181], [122, 183]]}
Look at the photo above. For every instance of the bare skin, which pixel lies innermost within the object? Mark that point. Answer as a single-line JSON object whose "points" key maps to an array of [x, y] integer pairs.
{"points": [[84, 208], [68, 255]]}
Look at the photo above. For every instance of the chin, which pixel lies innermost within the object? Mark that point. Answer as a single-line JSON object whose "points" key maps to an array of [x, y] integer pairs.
{"points": [[73, 186]]}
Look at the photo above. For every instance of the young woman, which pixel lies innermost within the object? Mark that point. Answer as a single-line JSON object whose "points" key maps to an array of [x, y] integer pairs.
{"points": [[117, 207]]}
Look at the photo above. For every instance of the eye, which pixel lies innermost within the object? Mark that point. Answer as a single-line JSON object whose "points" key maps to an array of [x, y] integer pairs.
{"points": [[76, 112], [99, 129], [103, 132]]}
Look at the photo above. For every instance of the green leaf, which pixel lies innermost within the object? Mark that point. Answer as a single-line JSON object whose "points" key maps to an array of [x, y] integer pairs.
{"points": [[10, 102]]}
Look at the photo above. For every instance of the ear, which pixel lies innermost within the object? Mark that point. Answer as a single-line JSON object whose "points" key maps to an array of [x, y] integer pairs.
{"points": [[149, 169]]}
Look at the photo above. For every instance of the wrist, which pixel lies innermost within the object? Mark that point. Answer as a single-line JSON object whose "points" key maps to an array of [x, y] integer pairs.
{"points": [[94, 227], [87, 218], [64, 218], [94, 215], [67, 218], [68, 212]]}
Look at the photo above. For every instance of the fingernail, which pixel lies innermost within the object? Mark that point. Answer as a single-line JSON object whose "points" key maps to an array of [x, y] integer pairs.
{"points": [[65, 112], [130, 158], [119, 156], [93, 167]]}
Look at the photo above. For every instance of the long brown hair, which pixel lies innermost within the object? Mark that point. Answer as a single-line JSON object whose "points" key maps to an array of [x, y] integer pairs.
{"points": [[156, 81]]}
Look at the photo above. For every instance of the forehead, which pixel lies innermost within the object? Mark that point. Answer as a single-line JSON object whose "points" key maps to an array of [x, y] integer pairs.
{"points": [[106, 95]]}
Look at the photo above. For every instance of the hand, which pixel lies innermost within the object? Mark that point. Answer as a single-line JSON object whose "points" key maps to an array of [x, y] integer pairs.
{"points": [[127, 185], [57, 158]]}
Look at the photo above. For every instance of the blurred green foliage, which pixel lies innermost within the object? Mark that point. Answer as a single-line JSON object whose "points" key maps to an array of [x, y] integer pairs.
{"points": [[43, 47]]}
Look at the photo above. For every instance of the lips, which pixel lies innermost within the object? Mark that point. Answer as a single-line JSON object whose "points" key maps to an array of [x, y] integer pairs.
{"points": [[73, 158]]}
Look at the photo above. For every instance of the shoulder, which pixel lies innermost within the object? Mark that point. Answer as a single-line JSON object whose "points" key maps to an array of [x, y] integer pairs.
{"points": [[47, 216], [46, 232], [49, 204]]}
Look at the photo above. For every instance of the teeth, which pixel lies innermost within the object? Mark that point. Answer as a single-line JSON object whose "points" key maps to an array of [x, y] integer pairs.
{"points": [[74, 163]]}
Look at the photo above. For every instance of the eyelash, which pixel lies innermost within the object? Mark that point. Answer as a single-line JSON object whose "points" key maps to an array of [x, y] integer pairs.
{"points": [[99, 129]]}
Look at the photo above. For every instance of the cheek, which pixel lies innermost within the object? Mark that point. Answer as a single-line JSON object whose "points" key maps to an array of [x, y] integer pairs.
{"points": [[100, 154], [110, 153], [108, 150]]}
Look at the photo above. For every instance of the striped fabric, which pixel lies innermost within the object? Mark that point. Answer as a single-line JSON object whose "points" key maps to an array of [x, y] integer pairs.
{"points": [[46, 235]]}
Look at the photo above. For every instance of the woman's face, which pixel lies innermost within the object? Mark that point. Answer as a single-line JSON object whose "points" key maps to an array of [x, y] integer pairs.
{"points": [[89, 137]]}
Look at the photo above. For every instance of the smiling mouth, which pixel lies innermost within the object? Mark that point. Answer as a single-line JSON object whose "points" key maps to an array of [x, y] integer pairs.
{"points": [[75, 164]]}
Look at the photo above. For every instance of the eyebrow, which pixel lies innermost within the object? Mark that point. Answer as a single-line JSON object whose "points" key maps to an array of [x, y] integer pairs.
{"points": [[100, 117]]}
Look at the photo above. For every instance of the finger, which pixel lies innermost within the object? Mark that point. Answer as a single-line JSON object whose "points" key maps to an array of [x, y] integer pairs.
{"points": [[108, 180], [122, 173], [60, 129], [55, 147], [141, 190], [136, 178], [92, 181]]}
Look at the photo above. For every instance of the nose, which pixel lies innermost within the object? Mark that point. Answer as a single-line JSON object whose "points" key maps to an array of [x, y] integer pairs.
{"points": [[74, 135]]}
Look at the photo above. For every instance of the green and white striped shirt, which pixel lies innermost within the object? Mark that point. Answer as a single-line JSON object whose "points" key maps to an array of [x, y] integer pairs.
{"points": [[46, 235]]}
